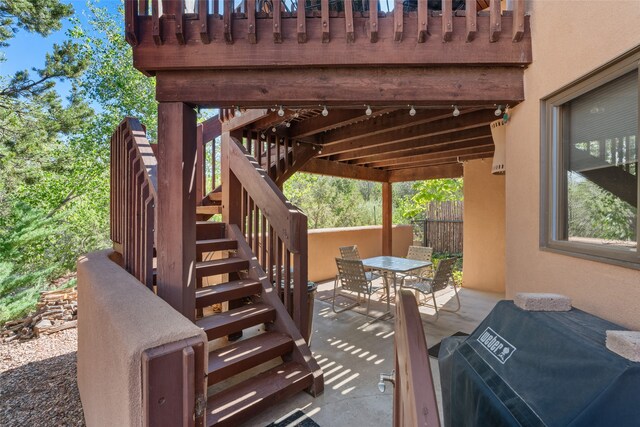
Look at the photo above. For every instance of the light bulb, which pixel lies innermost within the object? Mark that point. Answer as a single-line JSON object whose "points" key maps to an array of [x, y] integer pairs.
{"points": [[263, 136], [238, 113], [281, 111], [319, 151], [456, 112], [273, 129], [412, 111], [368, 112], [498, 110], [325, 112], [198, 113], [288, 124]]}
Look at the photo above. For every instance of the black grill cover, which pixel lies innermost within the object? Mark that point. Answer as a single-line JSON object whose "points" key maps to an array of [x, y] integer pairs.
{"points": [[522, 368]]}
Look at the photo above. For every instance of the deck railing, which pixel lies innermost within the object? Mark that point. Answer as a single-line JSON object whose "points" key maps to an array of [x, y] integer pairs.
{"points": [[275, 230], [414, 396], [133, 198], [192, 18]]}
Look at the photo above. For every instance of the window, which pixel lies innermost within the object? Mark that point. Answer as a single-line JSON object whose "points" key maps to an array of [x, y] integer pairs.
{"points": [[590, 144]]}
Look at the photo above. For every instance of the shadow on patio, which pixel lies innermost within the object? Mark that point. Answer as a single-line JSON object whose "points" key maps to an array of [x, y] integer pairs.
{"points": [[352, 352]]}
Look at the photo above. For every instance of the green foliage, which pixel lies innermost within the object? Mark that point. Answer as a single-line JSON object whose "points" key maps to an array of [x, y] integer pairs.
{"points": [[433, 190], [36, 16], [597, 213], [54, 159], [335, 202]]}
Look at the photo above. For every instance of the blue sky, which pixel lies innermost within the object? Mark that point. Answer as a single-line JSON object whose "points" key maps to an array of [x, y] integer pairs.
{"points": [[27, 50]]}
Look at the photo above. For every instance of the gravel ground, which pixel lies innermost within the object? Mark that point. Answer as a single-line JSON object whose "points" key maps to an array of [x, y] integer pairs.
{"points": [[38, 382]]}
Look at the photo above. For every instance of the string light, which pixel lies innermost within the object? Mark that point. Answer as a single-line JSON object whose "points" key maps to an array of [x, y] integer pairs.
{"points": [[456, 112], [288, 124], [498, 111], [368, 112], [273, 129], [263, 136], [281, 111], [325, 112], [238, 113], [412, 111]]}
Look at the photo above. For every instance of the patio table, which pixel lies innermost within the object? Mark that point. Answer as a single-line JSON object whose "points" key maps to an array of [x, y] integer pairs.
{"points": [[393, 265]]}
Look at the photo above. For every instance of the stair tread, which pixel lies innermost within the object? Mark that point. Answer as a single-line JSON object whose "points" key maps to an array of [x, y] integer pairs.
{"points": [[221, 266], [242, 355], [208, 210], [235, 404], [225, 323], [228, 291]]}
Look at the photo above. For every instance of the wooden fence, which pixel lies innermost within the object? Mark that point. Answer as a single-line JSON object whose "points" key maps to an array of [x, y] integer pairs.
{"points": [[442, 227]]}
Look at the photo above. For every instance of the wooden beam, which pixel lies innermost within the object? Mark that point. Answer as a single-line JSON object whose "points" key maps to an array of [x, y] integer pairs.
{"points": [[482, 154], [344, 170], [211, 128], [387, 216], [460, 149], [421, 146], [443, 126], [277, 22], [339, 53], [384, 124], [176, 228], [336, 119], [453, 170], [203, 21], [247, 118], [227, 21], [339, 86], [252, 37], [200, 165]]}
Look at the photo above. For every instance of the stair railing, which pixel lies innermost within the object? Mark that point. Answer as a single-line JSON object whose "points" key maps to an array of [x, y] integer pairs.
{"points": [[275, 230], [133, 198], [414, 396]]}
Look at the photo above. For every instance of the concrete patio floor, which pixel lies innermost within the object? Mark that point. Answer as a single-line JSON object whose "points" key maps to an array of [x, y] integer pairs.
{"points": [[352, 352]]}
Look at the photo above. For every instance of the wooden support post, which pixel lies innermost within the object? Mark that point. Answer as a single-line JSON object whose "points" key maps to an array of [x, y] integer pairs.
{"points": [[231, 187], [200, 167], [387, 215], [176, 241]]}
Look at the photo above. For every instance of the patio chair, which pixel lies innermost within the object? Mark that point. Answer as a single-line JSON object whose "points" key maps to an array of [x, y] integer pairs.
{"points": [[352, 278], [351, 252], [421, 253], [429, 286]]}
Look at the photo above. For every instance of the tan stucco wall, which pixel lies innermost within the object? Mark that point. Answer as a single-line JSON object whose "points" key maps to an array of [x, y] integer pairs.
{"points": [[484, 228], [118, 318], [324, 244], [570, 38]]}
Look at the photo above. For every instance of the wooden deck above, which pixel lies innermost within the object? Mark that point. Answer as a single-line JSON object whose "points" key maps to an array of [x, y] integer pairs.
{"points": [[290, 34], [389, 145]]}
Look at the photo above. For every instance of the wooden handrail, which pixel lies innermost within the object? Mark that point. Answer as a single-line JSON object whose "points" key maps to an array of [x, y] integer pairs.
{"points": [[340, 12], [133, 197], [282, 215], [414, 396]]}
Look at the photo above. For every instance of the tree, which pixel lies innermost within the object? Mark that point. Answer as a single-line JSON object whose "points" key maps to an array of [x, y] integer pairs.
{"points": [[433, 190]]}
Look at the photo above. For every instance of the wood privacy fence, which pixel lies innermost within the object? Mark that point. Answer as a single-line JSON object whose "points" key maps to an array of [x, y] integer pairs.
{"points": [[442, 227]]}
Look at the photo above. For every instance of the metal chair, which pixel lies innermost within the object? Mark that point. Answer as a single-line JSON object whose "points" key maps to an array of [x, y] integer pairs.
{"points": [[429, 286], [351, 252], [421, 253], [352, 278]]}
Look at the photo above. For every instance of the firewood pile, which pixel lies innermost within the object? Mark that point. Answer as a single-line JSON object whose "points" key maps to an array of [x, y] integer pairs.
{"points": [[56, 311]]}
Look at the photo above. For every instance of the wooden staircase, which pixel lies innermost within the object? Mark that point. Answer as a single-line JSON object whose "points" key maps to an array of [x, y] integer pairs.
{"points": [[247, 308]]}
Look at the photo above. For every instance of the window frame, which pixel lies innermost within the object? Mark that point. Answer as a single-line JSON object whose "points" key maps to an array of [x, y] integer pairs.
{"points": [[553, 191]]}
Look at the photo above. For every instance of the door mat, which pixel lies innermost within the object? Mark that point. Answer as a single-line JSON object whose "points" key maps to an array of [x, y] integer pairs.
{"points": [[295, 419], [435, 349]]}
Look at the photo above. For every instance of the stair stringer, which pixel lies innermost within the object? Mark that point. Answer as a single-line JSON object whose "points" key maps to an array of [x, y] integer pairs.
{"points": [[283, 323]]}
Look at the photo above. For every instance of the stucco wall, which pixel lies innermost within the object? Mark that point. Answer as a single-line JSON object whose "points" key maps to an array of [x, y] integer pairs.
{"points": [[324, 244], [484, 227], [118, 318], [570, 38]]}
